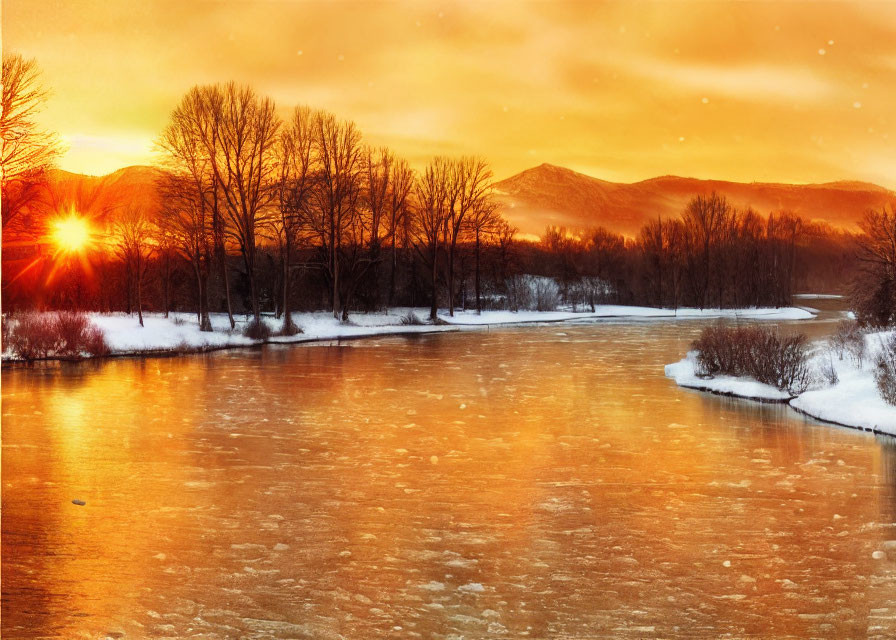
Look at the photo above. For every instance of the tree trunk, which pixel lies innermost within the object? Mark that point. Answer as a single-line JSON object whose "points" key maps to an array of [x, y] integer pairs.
{"points": [[478, 284], [249, 261], [392, 273], [289, 328], [451, 280], [205, 323], [140, 291], [433, 308], [222, 259], [167, 282]]}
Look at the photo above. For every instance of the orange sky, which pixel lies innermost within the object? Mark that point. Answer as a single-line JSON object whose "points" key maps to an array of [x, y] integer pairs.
{"points": [[797, 92]]}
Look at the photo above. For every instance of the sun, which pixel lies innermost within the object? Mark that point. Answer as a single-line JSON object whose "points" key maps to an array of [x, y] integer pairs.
{"points": [[71, 234]]}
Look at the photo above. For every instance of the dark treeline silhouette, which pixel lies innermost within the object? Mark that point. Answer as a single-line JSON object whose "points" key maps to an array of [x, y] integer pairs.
{"points": [[873, 294], [711, 256], [253, 213]]}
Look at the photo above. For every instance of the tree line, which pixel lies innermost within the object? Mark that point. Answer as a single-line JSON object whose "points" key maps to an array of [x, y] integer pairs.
{"points": [[241, 180], [255, 213]]}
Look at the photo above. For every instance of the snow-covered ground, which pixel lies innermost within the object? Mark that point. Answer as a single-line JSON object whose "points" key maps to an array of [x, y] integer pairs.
{"points": [[180, 331], [683, 372], [854, 401]]}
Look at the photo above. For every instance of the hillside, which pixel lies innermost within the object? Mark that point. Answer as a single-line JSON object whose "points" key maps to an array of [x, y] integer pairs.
{"points": [[100, 197], [551, 195]]}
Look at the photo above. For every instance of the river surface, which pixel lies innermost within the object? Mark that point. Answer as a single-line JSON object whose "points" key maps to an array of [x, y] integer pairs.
{"points": [[525, 482]]}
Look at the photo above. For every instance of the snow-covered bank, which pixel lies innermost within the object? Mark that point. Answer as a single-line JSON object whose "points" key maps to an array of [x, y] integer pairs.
{"points": [[683, 372], [179, 333], [852, 401], [620, 311], [818, 296]]}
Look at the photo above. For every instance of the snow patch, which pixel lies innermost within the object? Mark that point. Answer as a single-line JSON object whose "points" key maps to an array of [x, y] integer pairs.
{"points": [[683, 372]]}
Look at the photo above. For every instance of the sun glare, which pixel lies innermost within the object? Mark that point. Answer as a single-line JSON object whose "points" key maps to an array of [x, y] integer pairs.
{"points": [[71, 234]]}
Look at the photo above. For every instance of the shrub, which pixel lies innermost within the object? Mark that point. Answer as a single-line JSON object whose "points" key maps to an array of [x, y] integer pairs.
{"points": [[257, 330], [519, 296], [827, 369], [411, 318], [885, 370], [849, 339], [527, 292], [34, 336], [546, 294], [587, 291], [761, 353], [94, 341], [65, 334], [71, 327]]}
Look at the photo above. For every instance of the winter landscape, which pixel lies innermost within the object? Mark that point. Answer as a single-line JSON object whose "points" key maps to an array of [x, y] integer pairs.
{"points": [[432, 320]]}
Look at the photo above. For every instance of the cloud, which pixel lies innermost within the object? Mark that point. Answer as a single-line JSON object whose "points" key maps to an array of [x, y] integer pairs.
{"points": [[753, 83], [609, 87]]}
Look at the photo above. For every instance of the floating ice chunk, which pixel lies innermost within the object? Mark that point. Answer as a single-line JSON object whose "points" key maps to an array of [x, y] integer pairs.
{"points": [[788, 584], [472, 587], [432, 585]]}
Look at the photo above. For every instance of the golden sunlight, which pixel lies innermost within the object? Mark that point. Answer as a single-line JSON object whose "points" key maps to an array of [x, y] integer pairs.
{"points": [[71, 234]]}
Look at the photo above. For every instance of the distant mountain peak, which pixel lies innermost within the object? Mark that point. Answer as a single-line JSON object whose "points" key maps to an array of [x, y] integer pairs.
{"points": [[552, 195]]}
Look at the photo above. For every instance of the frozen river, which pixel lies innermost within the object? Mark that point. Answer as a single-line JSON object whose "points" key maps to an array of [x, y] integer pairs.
{"points": [[527, 482]]}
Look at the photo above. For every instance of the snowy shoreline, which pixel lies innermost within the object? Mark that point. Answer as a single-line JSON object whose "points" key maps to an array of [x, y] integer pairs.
{"points": [[179, 333], [853, 401]]}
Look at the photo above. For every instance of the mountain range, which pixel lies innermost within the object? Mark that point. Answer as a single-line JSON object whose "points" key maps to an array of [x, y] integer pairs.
{"points": [[551, 195]]}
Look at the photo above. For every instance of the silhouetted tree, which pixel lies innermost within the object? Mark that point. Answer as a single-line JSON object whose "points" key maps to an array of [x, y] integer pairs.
{"points": [[294, 191], [873, 293], [26, 151], [132, 235]]}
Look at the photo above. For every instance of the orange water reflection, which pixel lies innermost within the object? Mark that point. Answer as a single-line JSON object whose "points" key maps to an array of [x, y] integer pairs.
{"points": [[533, 482]]}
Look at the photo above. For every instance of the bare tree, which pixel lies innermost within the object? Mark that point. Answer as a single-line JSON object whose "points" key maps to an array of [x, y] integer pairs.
{"points": [[243, 165], [468, 188], [783, 230], [186, 218], [401, 187], [26, 151], [505, 241], [873, 294], [705, 219], [482, 222], [132, 233], [337, 155], [430, 219], [294, 191], [190, 142]]}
